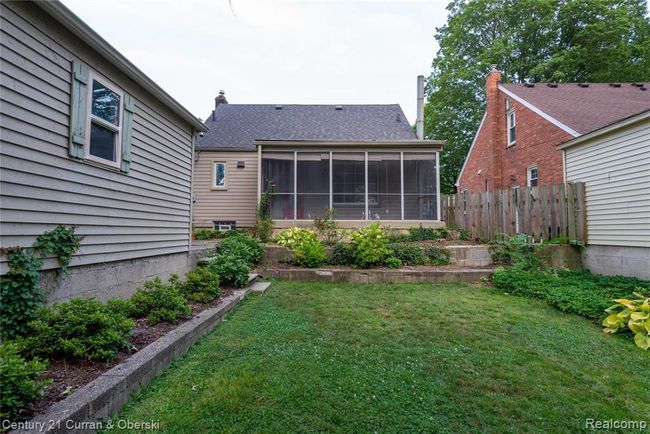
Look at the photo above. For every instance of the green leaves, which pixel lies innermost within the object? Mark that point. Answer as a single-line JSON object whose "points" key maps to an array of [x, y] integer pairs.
{"points": [[633, 315]]}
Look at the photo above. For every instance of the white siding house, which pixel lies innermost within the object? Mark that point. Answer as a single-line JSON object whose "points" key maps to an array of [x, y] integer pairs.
{"points": [[128, 195], [614, 164]]}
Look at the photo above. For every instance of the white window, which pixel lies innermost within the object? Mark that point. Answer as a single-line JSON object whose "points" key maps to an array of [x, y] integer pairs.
{"points": [[510, 117], [104, 121], [532, 176], [219, 175]]}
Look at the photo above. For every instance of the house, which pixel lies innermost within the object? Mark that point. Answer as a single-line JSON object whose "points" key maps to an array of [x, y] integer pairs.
{"points": [[362, 161], [614, 164], [515, 145], [89, 140]]}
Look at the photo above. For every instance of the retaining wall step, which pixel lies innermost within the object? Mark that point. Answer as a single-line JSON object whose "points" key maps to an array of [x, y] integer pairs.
{"points": [[260, 286]]}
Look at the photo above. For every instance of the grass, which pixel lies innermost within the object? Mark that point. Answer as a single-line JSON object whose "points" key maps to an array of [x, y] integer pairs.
{"points": [[314, 357]]}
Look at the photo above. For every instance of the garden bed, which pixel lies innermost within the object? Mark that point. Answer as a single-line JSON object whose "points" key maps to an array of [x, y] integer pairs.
{"points": [[68, 375]]}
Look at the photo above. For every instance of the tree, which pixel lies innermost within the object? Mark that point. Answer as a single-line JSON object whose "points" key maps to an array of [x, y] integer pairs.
{"points": [[529, 40]]}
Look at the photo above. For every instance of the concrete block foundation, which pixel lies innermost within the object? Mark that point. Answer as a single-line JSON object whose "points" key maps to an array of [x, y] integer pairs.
{"points": [[617, 260]]}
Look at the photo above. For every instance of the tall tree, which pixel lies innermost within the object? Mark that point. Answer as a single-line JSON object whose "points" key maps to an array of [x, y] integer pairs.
{"points": [[529, 40]]}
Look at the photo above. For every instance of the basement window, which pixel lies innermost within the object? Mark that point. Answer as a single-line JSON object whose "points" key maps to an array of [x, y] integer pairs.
{"points": [[512, 124], [532, 176], [219, 175]]}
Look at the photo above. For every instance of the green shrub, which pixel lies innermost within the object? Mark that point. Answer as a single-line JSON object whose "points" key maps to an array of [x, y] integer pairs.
{"points": [[208, 234], [438, 255], [327, 227], [81, 328], [263, 229], [292, 237], [263, 223], [200, 285], [242, 246], [423, 234], [370, 245], [342, 254], [516, 250], [633, 315], [573, 291], [159, 302], [231, 269], [463, 234], [408, 253], [309, 253], [121, 306], [393, 262], [18, 380]]}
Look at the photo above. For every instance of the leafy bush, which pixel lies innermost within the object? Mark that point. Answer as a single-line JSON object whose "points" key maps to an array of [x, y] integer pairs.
{"points": [[422, 234], [463, 233], [263, 229], [242, 246], [200, 285], [121, 306], [438, 255], [633, 315], [516, 250], [159, 302], [293, 237], [370, 245], [81, 328], [407, 253], [393, 262], [18, 380], [327, 227], [309, 253], [573, 291], [208, 234], [263, 224], [342, 254], [231, 269]]}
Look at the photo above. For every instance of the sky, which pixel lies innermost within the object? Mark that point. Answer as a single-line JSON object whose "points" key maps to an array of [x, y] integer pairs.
{"points": [[274, 51]]}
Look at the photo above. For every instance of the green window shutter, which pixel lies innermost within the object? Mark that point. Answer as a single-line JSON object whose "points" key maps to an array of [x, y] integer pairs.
{"points": [[78, 109], [127, 128]]}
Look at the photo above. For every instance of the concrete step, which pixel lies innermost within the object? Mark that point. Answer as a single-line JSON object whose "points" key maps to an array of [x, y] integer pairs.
{"points": [[252, 277], [260, 286]]}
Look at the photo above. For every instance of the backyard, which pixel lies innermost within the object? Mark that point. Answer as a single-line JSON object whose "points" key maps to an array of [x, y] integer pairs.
{"points": [[308, 357]]}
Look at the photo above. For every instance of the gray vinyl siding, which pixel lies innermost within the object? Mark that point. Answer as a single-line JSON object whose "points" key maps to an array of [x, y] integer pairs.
{"points": [[144, 212], [616, 170], [238, 202]]}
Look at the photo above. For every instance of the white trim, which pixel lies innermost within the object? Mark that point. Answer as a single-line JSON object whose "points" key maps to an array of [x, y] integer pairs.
{"points": [[331, 183], [438, 183], [213, 172], [365, 155], [259, 174], [295, 185], [510, 125], [607, 129], [528, 174], [549, 118], [462, 169], [401, 182], [91, 118]]}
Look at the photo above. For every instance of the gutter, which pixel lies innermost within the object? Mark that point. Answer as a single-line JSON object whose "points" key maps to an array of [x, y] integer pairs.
{"points": [[429, 144], [607, 129], [79, 28]]}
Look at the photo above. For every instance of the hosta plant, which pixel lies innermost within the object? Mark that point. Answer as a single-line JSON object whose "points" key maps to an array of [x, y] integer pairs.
{"points": [[633, 315], [295, 236]]}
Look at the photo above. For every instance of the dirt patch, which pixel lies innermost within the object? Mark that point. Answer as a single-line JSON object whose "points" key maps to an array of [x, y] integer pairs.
{"points": [[68, 375]]}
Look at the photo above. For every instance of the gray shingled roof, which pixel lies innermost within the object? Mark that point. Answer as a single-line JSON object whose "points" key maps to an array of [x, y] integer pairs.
{"points": [[585, 109], [238, 125]]}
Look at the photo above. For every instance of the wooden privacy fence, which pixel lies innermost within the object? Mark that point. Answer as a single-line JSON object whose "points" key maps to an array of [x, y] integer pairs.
{"points": [[543, 212]]}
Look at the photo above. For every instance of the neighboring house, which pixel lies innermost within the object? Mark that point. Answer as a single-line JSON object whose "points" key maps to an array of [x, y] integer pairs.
{"points": [[614, 164], [515, 145], [88, 140], [363, 161]]}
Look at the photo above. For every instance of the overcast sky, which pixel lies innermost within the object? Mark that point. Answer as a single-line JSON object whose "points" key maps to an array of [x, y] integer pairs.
{"points": [[274, 52]]}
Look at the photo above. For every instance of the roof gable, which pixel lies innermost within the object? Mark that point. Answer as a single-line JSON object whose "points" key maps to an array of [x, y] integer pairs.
{"points": [[579, 109], [237, 126]]}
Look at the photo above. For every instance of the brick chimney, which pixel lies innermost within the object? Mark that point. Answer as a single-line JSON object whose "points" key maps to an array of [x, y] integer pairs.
{"points": [[495, 117], [220, 99]]}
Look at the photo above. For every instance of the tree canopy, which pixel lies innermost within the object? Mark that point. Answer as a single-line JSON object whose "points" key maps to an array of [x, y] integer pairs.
{"points": [[528, 40]]}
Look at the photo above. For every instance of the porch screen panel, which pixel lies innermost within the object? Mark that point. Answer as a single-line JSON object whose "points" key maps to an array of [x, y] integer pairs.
{"points": [[348, 185], [277, 172], [384, 192], [313, 184], [420, 189]]}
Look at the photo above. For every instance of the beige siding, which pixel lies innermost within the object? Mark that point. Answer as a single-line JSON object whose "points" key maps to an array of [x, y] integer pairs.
{"points": [[616, 170], [238, 202], [121, 216]]}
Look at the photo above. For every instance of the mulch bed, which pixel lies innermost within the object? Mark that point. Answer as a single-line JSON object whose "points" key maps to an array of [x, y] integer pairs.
{"points": [[68, 375]]}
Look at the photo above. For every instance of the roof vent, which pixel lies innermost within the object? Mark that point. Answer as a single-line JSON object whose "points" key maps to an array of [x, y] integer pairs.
{"points": [[637, 84], [278, 107], [529, 85], [615, 84], [338, 107], [583, 84], [553, 85]]}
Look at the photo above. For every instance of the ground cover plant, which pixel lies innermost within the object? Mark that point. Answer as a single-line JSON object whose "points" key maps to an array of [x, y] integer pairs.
{"points": [[208, 234], [19, 382], [332, 357]]}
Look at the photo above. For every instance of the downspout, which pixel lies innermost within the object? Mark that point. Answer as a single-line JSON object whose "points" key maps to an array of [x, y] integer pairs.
{"points": [[419, 121]]}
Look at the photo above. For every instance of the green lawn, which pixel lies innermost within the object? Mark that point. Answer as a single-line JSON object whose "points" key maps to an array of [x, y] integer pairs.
{"points": [[315, 357]]}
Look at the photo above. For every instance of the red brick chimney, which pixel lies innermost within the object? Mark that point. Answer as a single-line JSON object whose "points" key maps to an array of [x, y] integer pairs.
{"points": [[495, 117], [220, 99]]}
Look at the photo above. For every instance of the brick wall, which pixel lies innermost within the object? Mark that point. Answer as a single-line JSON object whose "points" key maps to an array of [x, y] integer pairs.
{"points": [[502, 166]]}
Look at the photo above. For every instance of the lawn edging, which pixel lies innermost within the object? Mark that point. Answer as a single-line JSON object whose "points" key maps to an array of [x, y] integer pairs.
{"points": [[403, 275], [88, 408]]}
